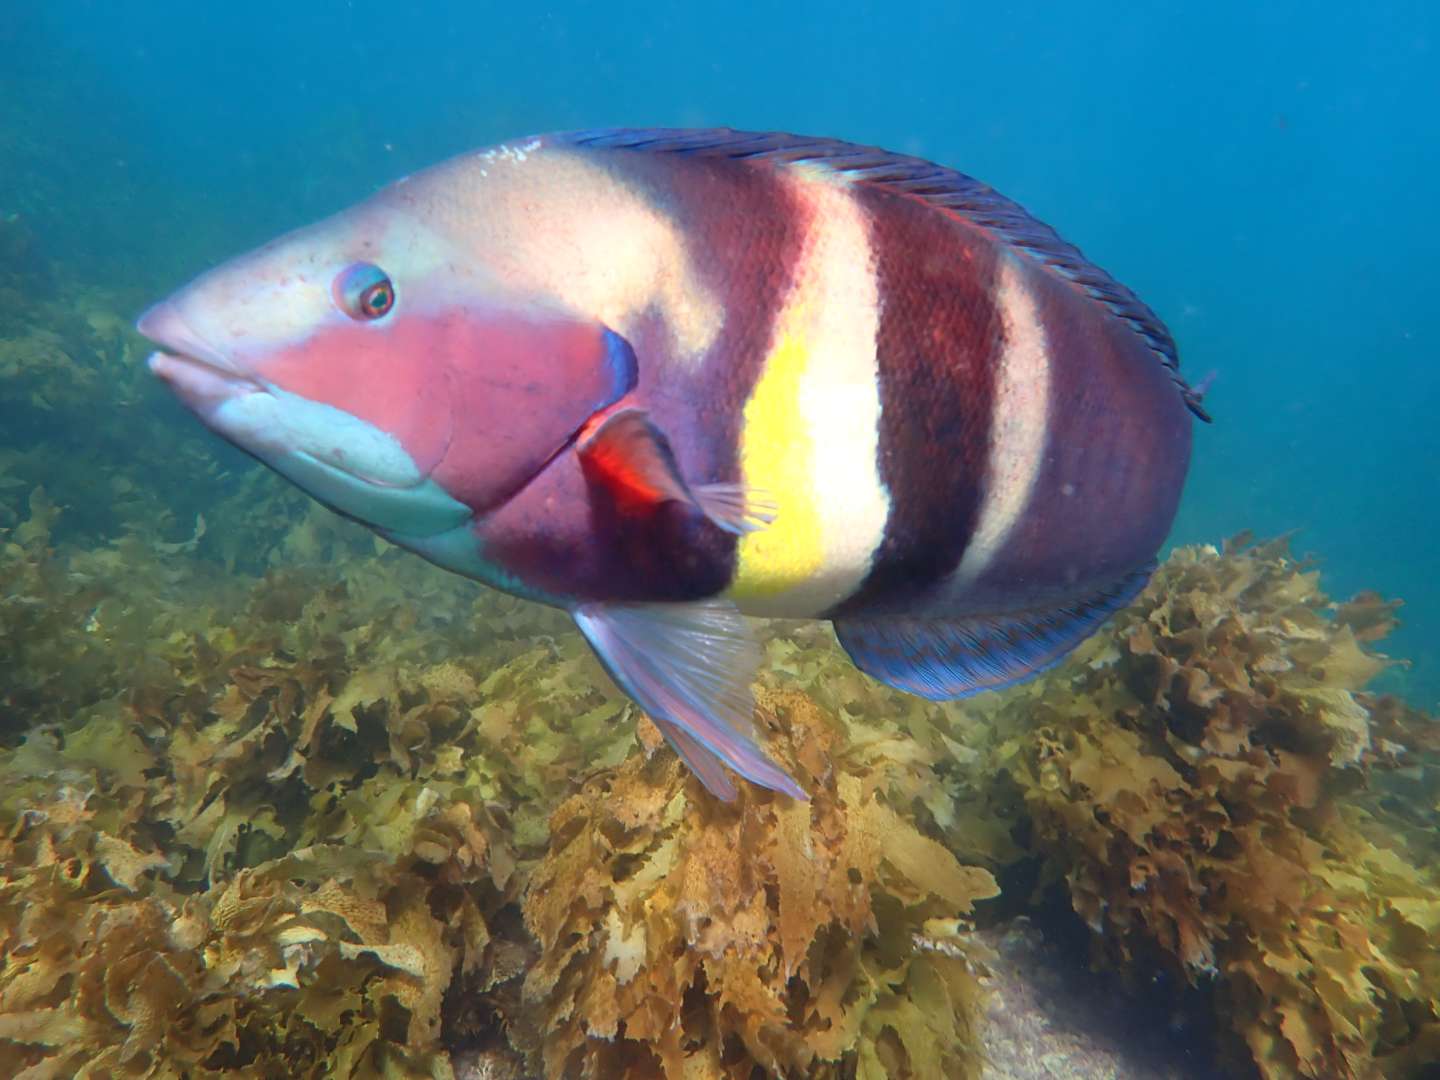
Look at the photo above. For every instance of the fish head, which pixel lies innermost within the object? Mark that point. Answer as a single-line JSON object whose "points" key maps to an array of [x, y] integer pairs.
{"points": [[385, 369]]}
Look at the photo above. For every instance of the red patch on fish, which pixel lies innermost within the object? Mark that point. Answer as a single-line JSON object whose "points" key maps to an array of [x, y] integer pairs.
{"points": [[629, 456]]}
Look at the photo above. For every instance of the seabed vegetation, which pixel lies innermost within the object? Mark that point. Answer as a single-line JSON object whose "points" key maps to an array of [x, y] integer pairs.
{"points": [[277, 800]]}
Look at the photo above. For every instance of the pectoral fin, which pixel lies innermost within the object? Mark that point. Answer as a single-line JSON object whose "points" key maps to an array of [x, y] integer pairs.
{"points": [[734, 507], [690, 667], [630, 458], [954, 658]]}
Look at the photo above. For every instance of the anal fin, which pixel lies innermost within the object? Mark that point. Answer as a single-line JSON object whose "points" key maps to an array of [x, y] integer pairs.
{"points": [[950, 658], [690, 667]]}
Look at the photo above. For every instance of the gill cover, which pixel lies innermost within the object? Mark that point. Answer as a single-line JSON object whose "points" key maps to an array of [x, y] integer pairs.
{"points": [[530, 383], [480, 397]]}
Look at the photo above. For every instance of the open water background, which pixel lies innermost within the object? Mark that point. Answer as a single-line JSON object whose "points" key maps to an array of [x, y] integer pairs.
{"points": [[1263, 174]]}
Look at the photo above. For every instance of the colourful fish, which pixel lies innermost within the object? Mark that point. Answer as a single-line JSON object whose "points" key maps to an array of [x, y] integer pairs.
{"points": [[667, 379]]}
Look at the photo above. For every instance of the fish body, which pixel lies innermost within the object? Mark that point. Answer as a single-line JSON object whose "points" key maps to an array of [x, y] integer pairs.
{"points": [[666, 379]]}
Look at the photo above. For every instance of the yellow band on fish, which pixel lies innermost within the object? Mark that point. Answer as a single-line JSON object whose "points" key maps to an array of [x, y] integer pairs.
{"points": [[776, 454]]}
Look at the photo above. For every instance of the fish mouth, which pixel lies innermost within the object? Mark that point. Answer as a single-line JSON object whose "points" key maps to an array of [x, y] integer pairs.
{"points": [[164, 325], [198, 374], [199, 383], [261, 418], [266, 422]]}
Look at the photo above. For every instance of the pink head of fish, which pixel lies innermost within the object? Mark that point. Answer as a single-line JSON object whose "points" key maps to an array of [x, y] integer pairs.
{"points": [[384, 369]]}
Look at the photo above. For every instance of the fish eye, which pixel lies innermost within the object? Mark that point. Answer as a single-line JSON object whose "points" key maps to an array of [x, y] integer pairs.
{"points": [[364, 292]]}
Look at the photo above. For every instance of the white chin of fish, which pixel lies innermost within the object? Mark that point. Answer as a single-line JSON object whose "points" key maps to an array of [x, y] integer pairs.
{"points": [[336, 457]]}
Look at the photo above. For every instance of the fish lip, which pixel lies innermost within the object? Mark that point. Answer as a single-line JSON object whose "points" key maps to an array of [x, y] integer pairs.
{"points": [[206, 389], [205, 381], [164, 324], [160, 359], [210, 376]]}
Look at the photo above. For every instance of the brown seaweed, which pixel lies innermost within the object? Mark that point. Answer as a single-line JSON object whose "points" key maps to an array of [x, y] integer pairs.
{"points": [[258, 828], [1198, 781], [299, 824], [683, 937]]}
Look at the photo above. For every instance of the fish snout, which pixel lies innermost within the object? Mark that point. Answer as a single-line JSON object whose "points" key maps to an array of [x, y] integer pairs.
{"points": [[166, 325], [199, 375]]}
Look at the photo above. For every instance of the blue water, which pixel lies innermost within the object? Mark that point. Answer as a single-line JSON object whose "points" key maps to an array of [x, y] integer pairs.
{"points": [[1262, 174]]}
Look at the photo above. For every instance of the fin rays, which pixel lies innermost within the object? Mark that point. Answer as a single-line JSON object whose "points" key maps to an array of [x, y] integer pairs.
{"points": [[942, 659], [689, 666]]}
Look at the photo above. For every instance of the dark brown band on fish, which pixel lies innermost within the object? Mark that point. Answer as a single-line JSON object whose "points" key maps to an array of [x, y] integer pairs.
{"points": [[1122, 446], [939, 331], [744, 232]]}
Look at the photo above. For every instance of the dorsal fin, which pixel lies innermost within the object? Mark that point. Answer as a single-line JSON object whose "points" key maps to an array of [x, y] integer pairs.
{"points": [[941, 187]]}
